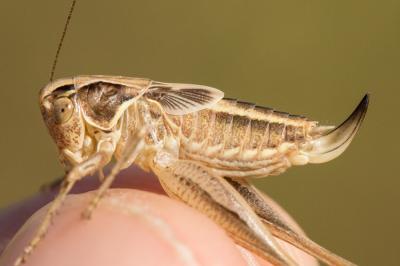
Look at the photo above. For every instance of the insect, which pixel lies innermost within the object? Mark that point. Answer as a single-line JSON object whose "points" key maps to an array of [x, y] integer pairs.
{"points": [[203, 148]]}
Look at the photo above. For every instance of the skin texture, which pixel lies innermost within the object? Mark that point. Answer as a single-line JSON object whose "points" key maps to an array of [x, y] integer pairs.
{"points": [[130, 227]]}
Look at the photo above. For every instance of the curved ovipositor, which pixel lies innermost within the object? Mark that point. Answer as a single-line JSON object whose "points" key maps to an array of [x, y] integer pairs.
{"points": [[333, 143]]}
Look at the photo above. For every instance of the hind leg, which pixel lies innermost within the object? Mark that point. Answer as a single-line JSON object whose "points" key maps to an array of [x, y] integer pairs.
{"points": [[200, 188], [279, 227]]}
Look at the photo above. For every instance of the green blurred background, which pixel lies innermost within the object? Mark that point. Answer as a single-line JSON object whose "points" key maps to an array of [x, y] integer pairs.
{"points": [[316, 58]]}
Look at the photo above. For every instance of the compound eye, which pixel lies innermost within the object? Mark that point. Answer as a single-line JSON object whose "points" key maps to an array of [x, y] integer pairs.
{"points": [[63, 110]]}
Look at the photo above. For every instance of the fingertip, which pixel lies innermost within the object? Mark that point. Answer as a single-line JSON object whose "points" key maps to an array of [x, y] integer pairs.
{"points": [[15, 215], [129, 227], [136, 236]]}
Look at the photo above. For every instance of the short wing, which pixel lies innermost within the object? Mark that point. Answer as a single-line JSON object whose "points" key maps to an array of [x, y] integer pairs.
{"points": [[180, 99]]}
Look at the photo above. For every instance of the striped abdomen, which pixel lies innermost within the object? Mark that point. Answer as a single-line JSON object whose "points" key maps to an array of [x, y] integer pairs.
{"points": [[239, 135]]}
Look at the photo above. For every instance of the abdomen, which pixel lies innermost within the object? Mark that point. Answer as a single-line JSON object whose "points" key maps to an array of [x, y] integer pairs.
{"points": [[239, 136]]}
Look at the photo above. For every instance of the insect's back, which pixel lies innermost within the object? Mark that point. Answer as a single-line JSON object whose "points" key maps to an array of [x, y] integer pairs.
{"points": [[239, 139], [241, 136]]}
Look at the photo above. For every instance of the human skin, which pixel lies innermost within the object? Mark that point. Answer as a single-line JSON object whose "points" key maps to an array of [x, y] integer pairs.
{"points": [[135, 224]]}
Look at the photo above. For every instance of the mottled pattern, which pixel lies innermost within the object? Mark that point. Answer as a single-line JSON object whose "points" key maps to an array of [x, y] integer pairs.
{"points": [[68, 134], [240, 135], [102, 101]]}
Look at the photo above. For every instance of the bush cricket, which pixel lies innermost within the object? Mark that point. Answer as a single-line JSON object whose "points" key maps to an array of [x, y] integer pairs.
{"points": [[203, 148]]}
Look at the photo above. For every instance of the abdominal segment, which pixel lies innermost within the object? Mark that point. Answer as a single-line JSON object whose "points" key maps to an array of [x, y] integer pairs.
{"points": [[239, 136]]}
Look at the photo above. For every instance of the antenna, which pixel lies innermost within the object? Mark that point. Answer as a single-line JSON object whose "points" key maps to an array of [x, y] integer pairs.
{"points": [[60, 43]]}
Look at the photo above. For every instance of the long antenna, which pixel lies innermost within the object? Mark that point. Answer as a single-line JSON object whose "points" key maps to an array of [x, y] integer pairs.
{"points": [[53, 68]]}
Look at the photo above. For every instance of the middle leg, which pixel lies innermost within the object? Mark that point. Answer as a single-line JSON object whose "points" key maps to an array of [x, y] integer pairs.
{"points": [[133, 146]]}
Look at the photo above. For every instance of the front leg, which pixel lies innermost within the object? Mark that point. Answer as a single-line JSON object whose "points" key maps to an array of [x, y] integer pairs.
{"points": [[280, 228], [89, 166], [212, 195]]}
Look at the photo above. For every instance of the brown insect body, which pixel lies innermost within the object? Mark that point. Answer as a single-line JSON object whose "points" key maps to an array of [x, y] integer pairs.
{"points": [[231, 135], [202, 147], [240, 137]]}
